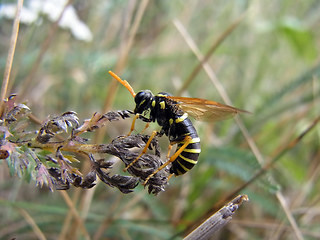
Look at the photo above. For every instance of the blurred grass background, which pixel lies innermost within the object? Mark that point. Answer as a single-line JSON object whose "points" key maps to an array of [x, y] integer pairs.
{"points": [[268, 65]]}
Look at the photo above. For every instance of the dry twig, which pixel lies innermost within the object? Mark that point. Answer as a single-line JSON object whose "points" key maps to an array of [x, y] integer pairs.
{"points": [[217, 221]]}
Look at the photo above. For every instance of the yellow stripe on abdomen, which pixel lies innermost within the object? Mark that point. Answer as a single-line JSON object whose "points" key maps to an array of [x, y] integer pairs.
{"points": [[196, 150], [194, 162]]}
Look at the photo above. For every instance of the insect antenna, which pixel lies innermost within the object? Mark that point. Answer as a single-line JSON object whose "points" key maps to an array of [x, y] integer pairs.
{"points": [[123, 82]]}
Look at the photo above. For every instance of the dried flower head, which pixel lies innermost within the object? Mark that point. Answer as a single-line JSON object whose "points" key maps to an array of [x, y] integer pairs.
{"points": [[54, 151]]}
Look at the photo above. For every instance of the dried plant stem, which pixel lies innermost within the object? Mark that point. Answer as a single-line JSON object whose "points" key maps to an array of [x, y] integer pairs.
{"points": [[286, 208], [227, 100], [86, 201], [277, 156], [32, 223], [45, 46], [217, 221], [108, 219], [280, 196], [263, 170], [67, 222], [218, 86], [266, 225], [13, 43], [211, 50], [75, 214], [112, 88], [122, 61], [124, 53]]}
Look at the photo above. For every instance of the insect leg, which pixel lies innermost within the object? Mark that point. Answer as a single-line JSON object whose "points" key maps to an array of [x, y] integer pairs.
{"points": [[168, 155], [147, 120], [154, 133], [145, 127], [170, 176], [187, 140], [133, 123], [169, 150]]}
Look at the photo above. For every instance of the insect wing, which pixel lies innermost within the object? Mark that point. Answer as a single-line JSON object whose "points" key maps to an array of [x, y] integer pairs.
{"points": [[205, 110]]}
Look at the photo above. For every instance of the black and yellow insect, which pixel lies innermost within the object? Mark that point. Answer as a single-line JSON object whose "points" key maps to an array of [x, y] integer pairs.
{"points": [[171, 113]]}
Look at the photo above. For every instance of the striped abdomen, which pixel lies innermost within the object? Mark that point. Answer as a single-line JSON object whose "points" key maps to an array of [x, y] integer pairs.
{"points": [[189, 156]]}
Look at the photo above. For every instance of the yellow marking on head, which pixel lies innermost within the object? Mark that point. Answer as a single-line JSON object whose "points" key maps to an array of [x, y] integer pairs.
{"points": [[153, 104], [142, 102], [182, 118], [162, 105], [170, 121]]}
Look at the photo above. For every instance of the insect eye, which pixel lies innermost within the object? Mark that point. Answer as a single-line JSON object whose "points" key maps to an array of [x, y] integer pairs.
{"points": [[139, 97], [143, 101], [142, 96]]}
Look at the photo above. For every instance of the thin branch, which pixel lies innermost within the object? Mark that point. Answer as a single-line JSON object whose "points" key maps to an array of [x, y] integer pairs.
{"points": [[108, 218], [32, 223], [263, 170], [293, 223], [217, 221], [227, 100], [277, 156], [45, 46], [265, 224], [69, 216], [211, 50], [122, 61], [13, 43], [124, 53], [75, 213], [112, 88]]}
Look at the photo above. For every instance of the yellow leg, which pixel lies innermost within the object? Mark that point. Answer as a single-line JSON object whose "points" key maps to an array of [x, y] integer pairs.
{"points": [[145, 127], [133, 123], [169, 150], [168, 155], [154, 133], [187, 140], [170, 176]]}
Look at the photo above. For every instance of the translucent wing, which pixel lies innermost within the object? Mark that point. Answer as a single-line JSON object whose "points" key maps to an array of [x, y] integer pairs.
{"points": [[206, 110]]}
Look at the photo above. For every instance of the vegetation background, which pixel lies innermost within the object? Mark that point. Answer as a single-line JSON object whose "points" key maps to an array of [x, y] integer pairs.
{"points": [[267, 62]]}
